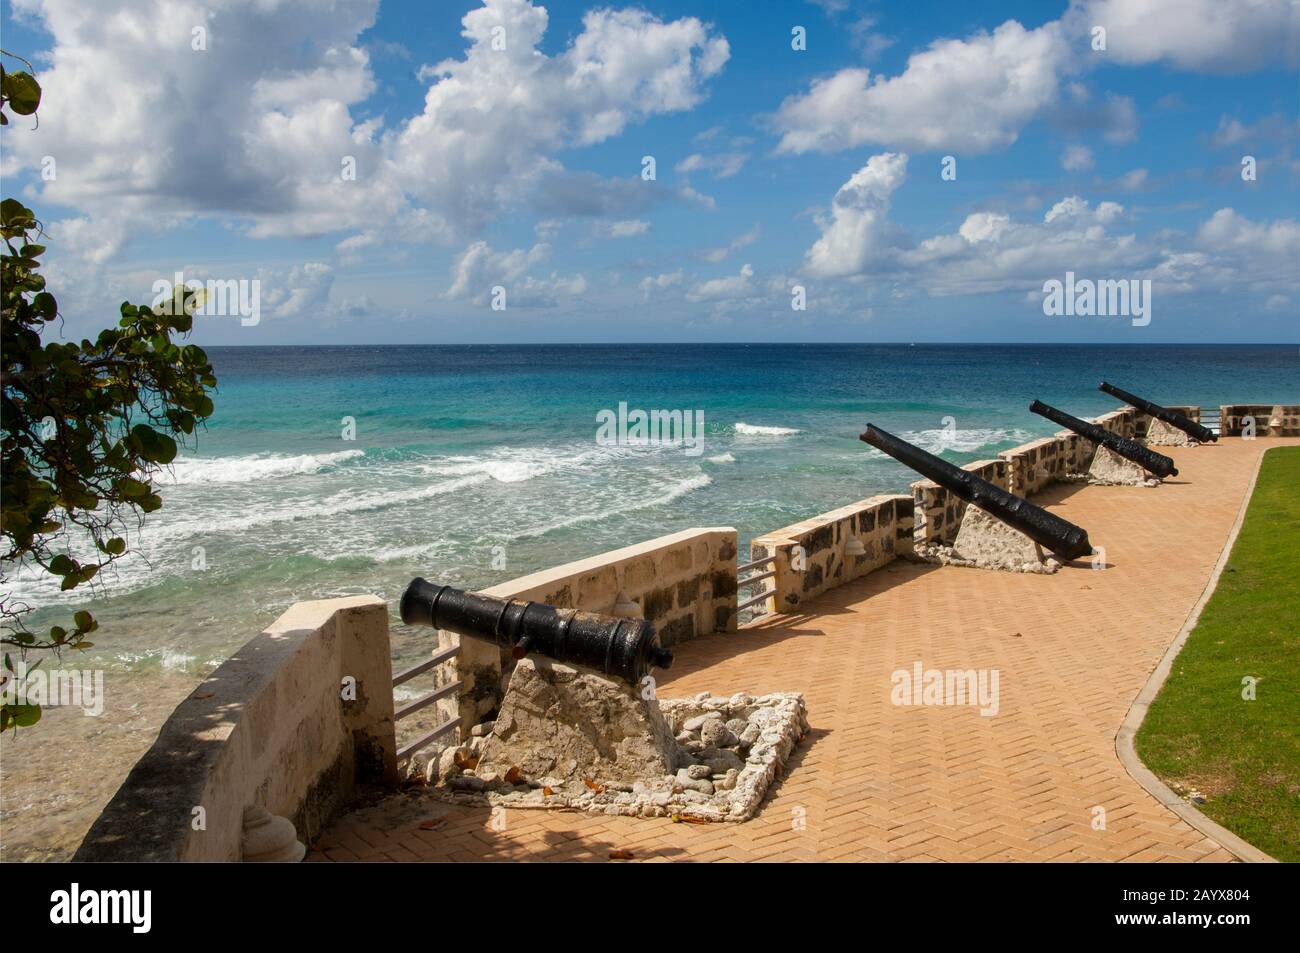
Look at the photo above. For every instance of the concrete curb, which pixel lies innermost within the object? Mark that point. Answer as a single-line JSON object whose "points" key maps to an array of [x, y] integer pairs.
{"points": [[1138, 712]]}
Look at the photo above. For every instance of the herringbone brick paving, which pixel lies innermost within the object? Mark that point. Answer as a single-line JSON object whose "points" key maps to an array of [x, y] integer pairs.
{"points": [[876, 781]]}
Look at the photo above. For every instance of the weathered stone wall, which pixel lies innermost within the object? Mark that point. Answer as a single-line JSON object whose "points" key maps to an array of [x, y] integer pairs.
{"points": [[1142, 422], [274, 727], [938, 513], [1271, 420], [684, 583], [811, 556], [1033, 466]]}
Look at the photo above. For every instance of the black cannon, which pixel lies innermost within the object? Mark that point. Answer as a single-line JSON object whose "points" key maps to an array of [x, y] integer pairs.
{"points": [[1171, 417], [1051, 532], [626, 648], [1144, 457]]}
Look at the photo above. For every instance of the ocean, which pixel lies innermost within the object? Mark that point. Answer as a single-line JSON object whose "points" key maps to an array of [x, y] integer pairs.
{"points": [[329, 471]]}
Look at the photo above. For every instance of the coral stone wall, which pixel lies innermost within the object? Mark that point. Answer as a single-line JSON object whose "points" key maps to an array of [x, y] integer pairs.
{"points": [[684, 583], [812, 556], [1271, 420], [1033, 466], [292, 722], [938, 513]]}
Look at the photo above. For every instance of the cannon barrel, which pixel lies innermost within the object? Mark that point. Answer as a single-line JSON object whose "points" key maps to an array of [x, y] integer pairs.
{"points": [[626, 648], [1171, 417], [1048, 530], [1144, 457]]}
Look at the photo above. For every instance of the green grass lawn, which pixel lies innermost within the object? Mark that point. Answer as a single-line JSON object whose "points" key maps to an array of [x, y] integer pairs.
{"points": [[1200, 734]]}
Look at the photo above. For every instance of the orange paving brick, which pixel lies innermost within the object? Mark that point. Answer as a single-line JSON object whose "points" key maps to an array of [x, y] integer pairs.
{"points": [[875, 781]]}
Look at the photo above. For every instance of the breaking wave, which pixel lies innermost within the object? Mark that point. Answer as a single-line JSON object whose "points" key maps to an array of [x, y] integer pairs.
{"points": [[754, 430], [249, 469]]}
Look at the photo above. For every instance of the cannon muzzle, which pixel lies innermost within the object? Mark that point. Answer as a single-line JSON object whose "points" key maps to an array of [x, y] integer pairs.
{"points": [[1144, 457], [1048, 530], [626, 648], [1171, 417]]}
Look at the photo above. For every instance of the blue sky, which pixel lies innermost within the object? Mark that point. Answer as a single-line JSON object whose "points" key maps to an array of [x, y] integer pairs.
{"points": [[776, 168]]}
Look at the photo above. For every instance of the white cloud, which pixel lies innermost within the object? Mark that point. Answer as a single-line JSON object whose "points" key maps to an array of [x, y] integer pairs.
{"points": [[990, 252], [724, 252], [723, 165], [1076, 158], [493, 120], [251, 126], [1276, 242], [478, 267], [1213, 35], [1133, 180], [857, 229], [970, 95], [627, 228], [649, 285], [256, 128], [732, 286], [1233, 132]]}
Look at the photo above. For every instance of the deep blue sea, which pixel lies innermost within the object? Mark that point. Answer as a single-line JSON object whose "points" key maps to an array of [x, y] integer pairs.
{"points": [[474, 464]]}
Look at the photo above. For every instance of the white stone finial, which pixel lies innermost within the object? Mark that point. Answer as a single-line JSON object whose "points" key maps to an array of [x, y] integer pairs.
{"points": [[854, 547], [625, 607], [269, 838]]}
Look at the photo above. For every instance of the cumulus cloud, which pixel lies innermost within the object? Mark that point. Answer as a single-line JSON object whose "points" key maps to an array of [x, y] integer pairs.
{"points": [[976, 94], [493, 120], [858, 227], [1222, 36], [731, 286], [480, 268], [263, 131], [992, 252], [970, 95]]}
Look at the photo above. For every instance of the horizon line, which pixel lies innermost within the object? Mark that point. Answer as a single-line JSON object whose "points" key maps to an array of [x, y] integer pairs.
{"points": [[781, 344]]}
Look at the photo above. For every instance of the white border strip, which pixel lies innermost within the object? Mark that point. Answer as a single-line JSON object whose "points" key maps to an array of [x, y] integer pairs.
{"points": [[1138, 712]]}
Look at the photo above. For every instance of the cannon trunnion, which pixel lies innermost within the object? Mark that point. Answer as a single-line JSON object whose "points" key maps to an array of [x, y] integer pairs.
{"points": [[1061, 537], [1144, 457], [626, 648]]}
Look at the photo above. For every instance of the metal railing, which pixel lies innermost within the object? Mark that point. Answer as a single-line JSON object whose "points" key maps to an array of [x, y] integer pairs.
{"points": [[753, 583], [424, 701], [1212, 419]]}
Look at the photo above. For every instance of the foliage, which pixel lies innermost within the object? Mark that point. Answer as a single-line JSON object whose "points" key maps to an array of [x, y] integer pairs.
{"points": [[85, 427]]}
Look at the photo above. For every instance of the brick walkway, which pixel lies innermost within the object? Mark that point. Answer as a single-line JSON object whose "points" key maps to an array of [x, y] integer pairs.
{"points": [[875, 781]]}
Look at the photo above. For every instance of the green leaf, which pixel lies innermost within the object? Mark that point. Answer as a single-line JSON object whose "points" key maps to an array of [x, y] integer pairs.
{"points": [[23, 716], [84, 620], [23, 92], [130, 487]]}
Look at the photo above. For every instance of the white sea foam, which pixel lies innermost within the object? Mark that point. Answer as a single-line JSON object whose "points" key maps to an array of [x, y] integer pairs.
{"points": [[963, 441], [337, 504], [248, 469], [520, 464], [722, 458], [753, 430], [671, 492]]}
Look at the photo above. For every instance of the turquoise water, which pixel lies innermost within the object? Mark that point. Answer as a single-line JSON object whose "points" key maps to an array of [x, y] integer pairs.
{"points": [[476, 464]]}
